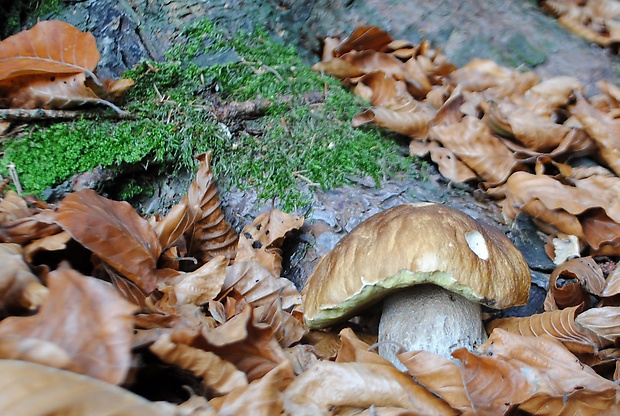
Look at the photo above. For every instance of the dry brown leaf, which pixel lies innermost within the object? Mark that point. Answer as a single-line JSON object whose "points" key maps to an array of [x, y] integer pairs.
{"points": [[493, 386], [114, 232], [370, 61], [484, 74], [418, 82], [472, 142], [29, 389], [207, 233], [54, 242], [559, 325], [261, 241], [529, 129], [287, 329], [352, 349], [411, 120], [61, 91], [439, 375], [218, 376], [13, 207], [338, 67], [447, 162], [251, 347], [51, 47], [25, 230], [96, 329], [546, 363], [603, 129], [15, 347], [262, 397], [20, 289], [591, 203], [604, 321], [554, 92], [381, 90], [612, 286], [200, 286], [576, 143], [327, 386], [364, 38], [259, 286], [578, 402], [572, 282]]}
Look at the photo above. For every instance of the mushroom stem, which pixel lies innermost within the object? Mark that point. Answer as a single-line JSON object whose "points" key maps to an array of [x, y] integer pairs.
{"points": [[431, 318]]}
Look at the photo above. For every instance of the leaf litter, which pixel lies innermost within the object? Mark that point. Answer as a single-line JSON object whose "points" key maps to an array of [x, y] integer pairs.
{"points": [[186, 291]]}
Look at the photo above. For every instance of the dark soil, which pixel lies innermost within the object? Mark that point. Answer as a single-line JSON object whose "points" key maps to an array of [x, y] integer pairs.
{"points": [[513, 33]]}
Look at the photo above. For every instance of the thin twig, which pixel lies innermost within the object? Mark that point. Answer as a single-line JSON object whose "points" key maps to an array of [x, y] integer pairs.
{"points": [[21, 114]]}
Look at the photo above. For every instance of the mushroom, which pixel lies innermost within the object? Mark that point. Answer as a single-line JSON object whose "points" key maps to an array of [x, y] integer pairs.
{"points": [[454, 262]]}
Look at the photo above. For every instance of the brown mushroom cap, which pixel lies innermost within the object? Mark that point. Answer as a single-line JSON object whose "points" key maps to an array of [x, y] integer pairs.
{"points": [[413, 244]]}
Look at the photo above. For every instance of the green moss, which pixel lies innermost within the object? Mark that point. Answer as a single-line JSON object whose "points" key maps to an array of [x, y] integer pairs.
{"points": [[293, 143]]}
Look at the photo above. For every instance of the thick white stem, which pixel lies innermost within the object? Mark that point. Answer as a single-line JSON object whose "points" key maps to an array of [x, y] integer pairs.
{"points": [[431, 318]]}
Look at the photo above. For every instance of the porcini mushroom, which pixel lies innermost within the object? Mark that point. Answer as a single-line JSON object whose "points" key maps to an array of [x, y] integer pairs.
{"points": [[455, 263]]}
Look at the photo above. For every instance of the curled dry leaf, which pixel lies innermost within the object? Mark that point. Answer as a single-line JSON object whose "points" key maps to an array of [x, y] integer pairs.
{"points": [[218, 376], [572, 282], [328, 386], [96, 331], [603, 129], [261, 240], [52, 66], [440, 376], [559, 325], [200, 286], [364, 38], [251, 347], [13, 207], [29, 389], [26, 229], [612, 286], [207, 233], [261, 397], [472, 142], [554, 92], [409, 120], [259, 286], [529, 129], [448, 164], [115, 233], [381, 90], [287, 329], [588, 209], [62, 91], [20, 289], [493, 386], [604, 321], [578, 402], [53, 242], [546, 364]]}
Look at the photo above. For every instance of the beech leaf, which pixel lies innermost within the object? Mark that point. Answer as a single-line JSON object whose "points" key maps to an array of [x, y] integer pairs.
{"points": [[546, 363], [52, 47], [559, 325], [327, 386], [96, 331], [603, 321], [114, 232], [29, 389], [20, 289], [217, 375]]}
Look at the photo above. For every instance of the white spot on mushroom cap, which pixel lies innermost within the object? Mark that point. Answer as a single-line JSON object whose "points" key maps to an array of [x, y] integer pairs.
{"points": [[477, 244]]}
